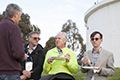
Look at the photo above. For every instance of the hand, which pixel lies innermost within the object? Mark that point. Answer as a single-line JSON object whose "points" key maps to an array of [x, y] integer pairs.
{"points": [[85, 60], [100, 68], [97, 70], [26, 56], [67, 57], [50, 60], [27, 73], [23, 77]]}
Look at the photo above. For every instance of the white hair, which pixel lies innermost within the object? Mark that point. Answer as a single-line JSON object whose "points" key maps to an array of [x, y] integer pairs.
{"points": [[64, 34]]}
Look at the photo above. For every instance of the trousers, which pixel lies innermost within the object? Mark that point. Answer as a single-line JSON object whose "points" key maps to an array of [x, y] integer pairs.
{"points": [[10, 77]]}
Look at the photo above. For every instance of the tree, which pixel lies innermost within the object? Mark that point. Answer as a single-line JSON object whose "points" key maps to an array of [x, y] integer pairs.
{"points": [[50, 44], [25, 26], [80, 55], [2, 16], [75, 40]]}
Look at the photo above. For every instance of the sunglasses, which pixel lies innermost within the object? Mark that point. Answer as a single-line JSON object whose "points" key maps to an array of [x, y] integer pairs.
{"points": [[35, 38], [95, 39]]}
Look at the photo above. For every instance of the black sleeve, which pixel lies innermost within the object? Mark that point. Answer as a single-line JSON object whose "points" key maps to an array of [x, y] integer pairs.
{"points": [[39, 68]]}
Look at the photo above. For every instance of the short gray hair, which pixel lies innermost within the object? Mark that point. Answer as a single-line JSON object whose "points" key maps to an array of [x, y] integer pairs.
{"points": [[33, 32], [12, 9], [64, 34]]}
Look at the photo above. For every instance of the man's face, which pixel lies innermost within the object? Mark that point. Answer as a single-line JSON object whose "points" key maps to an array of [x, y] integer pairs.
{"points": [[96, 41], [60, 41], [17, 18], [34, 39]]}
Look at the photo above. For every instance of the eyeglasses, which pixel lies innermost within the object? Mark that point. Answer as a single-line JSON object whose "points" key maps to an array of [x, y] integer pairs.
{"points": [[35, 38], [95, 39]]}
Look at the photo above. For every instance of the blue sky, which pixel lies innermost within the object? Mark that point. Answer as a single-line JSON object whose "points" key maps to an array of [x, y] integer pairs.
{"points": [[50, 15]]}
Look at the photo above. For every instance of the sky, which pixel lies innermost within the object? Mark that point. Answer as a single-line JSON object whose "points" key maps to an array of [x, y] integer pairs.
{"points": [[50, 15]]}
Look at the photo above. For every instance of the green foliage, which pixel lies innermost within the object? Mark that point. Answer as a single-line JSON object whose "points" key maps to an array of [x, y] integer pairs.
{"points": [[75, 40], [72, 32], [50, 44], [116, 76], [81, 76], [2, 16], [25, 26]]}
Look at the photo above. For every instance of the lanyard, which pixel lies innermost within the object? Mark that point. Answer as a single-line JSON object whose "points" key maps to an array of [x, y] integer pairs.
{"points": [[29, 55]]}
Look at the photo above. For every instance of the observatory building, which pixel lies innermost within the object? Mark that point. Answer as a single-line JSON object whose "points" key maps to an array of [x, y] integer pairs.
{"points": [[104, 16]]}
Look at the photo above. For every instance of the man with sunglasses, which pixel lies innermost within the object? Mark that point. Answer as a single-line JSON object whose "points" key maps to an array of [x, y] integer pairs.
{"points": [[32, 67], [98, 59]]}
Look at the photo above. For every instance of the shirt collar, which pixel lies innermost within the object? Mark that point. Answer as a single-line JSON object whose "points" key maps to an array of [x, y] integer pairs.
{"points": [[98, 50], [32, 48], [59, 49]]}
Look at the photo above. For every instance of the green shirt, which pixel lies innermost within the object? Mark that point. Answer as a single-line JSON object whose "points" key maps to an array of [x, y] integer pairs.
{"points": [[61, 65]]}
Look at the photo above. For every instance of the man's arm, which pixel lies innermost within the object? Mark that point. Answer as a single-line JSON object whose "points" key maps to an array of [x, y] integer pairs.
{"points": [[109, 70], [40, 62], [46, 66], [73, 64], [84, 63], [16, 44]]}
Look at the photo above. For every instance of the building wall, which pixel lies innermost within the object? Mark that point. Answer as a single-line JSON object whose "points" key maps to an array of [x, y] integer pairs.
{"points": [[105, 17]]}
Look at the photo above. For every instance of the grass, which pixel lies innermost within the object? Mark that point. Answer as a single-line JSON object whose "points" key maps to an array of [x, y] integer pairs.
{"points": [[116, 76], [81, 76]]}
